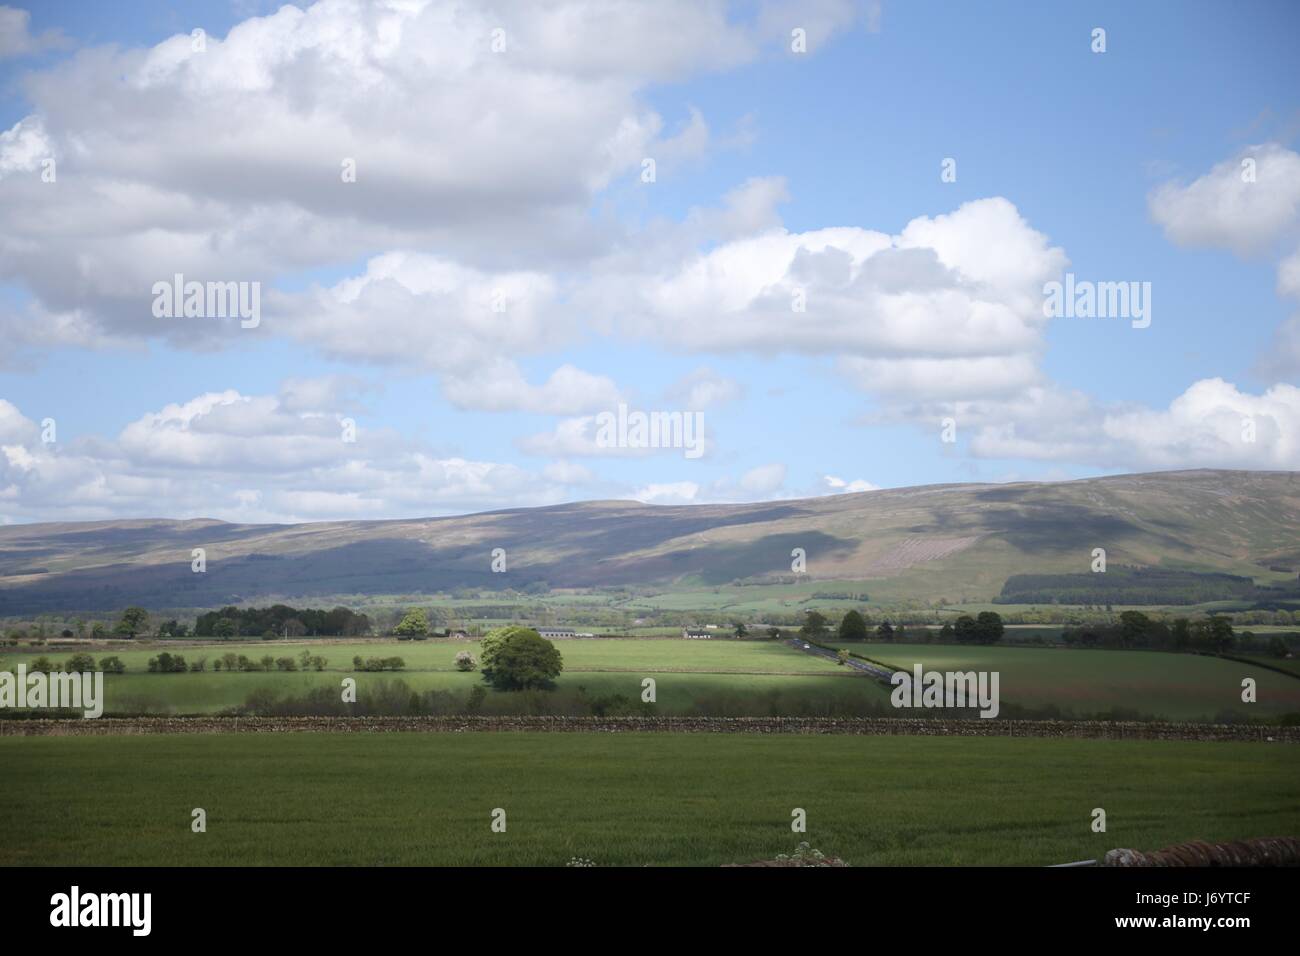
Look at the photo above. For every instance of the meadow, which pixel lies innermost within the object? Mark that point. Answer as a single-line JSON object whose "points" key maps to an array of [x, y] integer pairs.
{"points": [[721, 677], [1174, 686], [664, 799], [724, 677]]}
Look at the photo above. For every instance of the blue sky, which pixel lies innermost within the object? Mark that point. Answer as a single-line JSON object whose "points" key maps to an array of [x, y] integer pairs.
{"points": [[1117, 166]]}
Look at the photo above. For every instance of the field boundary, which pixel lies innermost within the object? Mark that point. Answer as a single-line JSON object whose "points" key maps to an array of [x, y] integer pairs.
{"points": [[1253, 663], [867, 726]]}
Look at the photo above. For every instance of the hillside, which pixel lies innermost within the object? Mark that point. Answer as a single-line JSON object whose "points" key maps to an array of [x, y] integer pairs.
{"points": [[955, 541]]}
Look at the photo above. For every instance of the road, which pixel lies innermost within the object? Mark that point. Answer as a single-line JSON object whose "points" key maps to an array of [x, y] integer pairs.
{"points": [[872, 670]]}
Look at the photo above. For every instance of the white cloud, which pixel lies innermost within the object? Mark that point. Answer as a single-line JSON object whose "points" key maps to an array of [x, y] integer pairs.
{"points": [[23, 146], [486, 160], [1212, 424], [963, 286], [837, 485], [1288, 276], [252, 458], [944, 378], [500, 386], [1249, 213], [668, 493], [763, 480], [702, 389], [16, 38], [1223, 209]]}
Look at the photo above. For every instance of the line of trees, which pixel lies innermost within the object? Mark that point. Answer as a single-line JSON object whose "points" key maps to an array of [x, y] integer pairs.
{"points": [[1136, 630], [281, 620], [1126, 585], [984, 628]]}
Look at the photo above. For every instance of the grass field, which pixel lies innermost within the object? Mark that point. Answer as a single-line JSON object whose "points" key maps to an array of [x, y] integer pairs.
{"points": [[426, 798], [1175, 686], [628, 654], [722, 677], [1290, 665]]}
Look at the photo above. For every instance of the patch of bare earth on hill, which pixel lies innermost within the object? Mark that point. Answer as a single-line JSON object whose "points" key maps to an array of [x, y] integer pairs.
{"points": [[865, 726], [916, 550]]}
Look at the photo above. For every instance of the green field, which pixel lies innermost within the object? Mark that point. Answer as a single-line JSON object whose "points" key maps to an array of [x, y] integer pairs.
{"points": [[626, 654], [426, 798], [1175, 686], [724, 677], [720, 677]]}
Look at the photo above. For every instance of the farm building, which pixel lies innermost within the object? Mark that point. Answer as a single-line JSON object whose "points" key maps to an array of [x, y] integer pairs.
{"points": [[696, 633], [551, 632]]}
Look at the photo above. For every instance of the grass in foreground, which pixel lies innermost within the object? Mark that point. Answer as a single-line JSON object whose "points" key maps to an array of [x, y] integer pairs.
{"points": [[625, 799]]}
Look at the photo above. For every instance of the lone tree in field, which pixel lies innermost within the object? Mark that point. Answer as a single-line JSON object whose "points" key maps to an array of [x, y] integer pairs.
{"points": [[814, 625], [885, 632], [853, 627], [987, 628], [496, 637], [416, 622], [134, 620], [522, 660]]}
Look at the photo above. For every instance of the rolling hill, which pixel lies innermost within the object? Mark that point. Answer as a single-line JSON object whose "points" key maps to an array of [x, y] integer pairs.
{"points": [[960, 541]]}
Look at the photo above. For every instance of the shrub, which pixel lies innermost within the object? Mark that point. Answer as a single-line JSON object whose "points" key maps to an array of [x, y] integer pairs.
{"points": [[166, 663], [286, 664], [465, 661], [79, 664], [379, 663], [112, 665]]}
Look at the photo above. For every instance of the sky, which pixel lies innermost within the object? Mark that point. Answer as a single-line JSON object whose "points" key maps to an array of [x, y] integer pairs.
{"points": [[825, 232]]}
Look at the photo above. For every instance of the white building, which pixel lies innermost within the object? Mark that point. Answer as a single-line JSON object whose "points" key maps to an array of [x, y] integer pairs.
{"points": [[550, 632]]}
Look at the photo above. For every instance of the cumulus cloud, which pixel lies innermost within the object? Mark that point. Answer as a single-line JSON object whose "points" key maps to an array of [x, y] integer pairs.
{"points": [[480, 130], [954, 295], [253, 458], [836, 485], [16, 38], [703, 388], [757, 484], [1234, 207], [1249, 204], [23, 146], [681, 433], [501, 387], [1212, 424], [668, 493]]}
